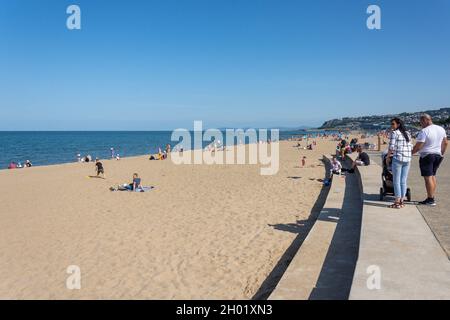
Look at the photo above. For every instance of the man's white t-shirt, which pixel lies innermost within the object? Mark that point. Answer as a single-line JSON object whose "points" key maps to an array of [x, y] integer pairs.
{"points": [[431, 137]]}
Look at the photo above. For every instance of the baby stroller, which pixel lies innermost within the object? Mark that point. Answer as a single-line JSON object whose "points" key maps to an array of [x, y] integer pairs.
{"points": [[387, 179]]}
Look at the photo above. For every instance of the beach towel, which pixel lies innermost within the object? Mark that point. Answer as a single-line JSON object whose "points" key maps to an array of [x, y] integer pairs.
{"points": [[140, 189], [145, 189]]}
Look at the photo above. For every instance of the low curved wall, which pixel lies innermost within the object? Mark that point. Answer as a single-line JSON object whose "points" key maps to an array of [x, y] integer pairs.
{"points": [[323, 266]]}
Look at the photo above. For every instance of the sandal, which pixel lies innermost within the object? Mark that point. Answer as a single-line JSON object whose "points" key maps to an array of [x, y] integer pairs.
{"points": [[395, 205]]}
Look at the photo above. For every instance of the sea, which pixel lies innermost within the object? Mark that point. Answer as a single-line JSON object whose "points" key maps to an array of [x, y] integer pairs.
{"points": [[56, 147]]}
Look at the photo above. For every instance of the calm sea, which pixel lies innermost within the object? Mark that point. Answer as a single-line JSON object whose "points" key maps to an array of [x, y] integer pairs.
{"points": [[54, 147]]}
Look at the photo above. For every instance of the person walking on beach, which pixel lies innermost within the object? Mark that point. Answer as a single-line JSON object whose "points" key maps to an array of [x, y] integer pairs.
{"points": [[99, 168], [431, 144], [112, 153], [400, 153], [304, 161]]}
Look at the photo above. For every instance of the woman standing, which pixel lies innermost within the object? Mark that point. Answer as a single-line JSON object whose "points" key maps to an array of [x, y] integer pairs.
{"points": [[400, 148]]}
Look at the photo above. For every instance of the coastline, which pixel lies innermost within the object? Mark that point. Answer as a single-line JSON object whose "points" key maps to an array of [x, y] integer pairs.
{"points": [[59, 147]]}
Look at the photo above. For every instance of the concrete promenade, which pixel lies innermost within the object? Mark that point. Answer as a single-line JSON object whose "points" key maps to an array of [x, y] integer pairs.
{"points": [[360, 249], [399, 247], [438, 218]]}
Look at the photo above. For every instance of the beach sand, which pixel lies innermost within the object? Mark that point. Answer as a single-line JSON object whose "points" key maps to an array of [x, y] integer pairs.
{"points": [[204, 232]]}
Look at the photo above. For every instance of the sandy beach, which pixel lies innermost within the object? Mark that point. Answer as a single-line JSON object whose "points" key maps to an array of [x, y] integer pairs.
{"points": [[204, 232]]}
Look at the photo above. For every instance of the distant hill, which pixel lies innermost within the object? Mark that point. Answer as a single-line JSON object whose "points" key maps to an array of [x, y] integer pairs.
{"points": [[375, 122]]}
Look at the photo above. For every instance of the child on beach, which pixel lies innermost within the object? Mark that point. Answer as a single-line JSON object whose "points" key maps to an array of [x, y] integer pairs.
{"points": [[99, 168], [304, 161], [336, 166]]}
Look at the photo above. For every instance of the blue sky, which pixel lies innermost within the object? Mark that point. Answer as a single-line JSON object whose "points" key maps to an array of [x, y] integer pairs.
{"points": [[151, 65]]}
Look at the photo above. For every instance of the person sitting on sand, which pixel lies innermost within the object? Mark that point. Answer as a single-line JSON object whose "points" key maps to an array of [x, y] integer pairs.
{"points": [[12, 165], [136, 184], [99, 168], [28, 164]]}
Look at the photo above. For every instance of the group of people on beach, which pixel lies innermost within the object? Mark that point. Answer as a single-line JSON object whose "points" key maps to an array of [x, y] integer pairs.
{"points": [[161, 155], [431, 145], [19, 165], [135, 185]]}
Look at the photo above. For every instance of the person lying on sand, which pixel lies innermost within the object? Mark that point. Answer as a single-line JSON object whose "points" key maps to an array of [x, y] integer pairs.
{"points": [[159, 156]]}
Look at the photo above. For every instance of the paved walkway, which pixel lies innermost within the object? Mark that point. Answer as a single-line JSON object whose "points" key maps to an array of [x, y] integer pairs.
{"points": [[398, 248], [438, 218]]}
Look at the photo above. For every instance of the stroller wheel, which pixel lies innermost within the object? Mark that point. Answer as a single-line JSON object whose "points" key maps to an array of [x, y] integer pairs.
{"points": [[381, 194], [408, 194]]}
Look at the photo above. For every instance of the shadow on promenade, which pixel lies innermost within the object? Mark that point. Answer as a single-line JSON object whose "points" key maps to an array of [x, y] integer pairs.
{"points": [[336, 276]]}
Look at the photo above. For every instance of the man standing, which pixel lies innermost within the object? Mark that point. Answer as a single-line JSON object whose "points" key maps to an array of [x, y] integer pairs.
{"points": [[431, 143]]}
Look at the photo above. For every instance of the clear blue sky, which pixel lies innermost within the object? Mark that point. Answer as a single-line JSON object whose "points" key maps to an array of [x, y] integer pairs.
{"points": [[149, 65]]}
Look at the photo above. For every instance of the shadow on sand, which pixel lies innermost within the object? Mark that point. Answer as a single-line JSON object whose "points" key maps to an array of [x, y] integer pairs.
{"points": [[336, 275], [301, 228]]}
